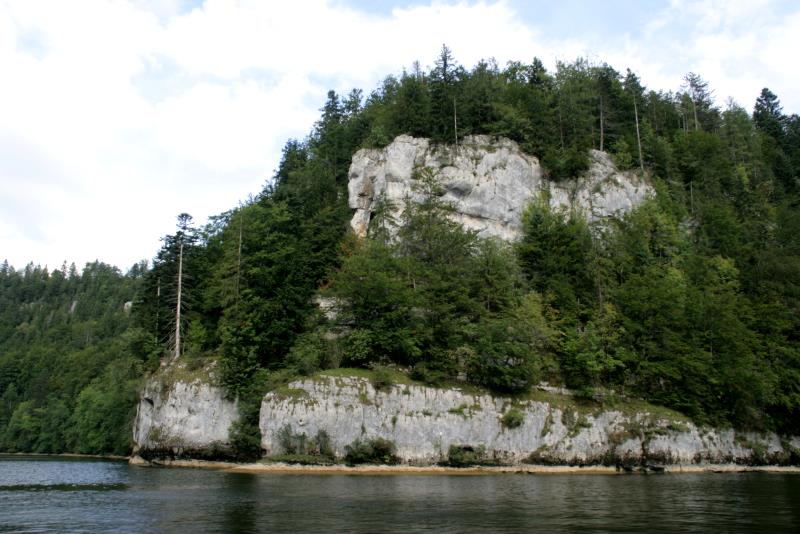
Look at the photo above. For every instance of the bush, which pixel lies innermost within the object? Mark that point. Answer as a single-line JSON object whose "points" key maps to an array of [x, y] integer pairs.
{"points": [[422, 372], [306, 354], [509, 352], [373, 451], [300, 445], [513, 418], [563, 163], [381, 377], [245, 438], [468, 455], [245, 432], [358, 348]]}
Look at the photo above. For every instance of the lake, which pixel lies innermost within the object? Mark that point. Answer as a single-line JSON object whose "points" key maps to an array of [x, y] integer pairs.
{"points": [[39, 494]]}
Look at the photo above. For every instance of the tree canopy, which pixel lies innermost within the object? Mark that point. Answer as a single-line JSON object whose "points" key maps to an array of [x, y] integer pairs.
{"points": [[691, 301]]}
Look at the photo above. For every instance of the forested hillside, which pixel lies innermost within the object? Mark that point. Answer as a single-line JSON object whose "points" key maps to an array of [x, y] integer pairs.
{"points": [[70, 364], [692, 301]]}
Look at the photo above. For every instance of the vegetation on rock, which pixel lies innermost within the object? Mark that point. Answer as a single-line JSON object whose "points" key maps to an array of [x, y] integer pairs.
{"points": [[692, 301]]}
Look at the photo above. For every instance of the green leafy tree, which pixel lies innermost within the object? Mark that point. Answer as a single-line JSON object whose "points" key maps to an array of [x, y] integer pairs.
{"points": [[556, 253]]}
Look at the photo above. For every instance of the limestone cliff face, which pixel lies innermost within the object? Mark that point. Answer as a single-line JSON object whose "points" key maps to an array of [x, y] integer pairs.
{"points": [[424, 422], [489, 182], [182, 416]]}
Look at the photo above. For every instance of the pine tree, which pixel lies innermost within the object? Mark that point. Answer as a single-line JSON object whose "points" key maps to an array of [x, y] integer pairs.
{"points": [[768, 115]]}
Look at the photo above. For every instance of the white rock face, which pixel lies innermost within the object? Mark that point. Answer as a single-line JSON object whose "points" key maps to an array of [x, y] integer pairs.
{"points": [[489, 182], [423, 422], [182, 418]]}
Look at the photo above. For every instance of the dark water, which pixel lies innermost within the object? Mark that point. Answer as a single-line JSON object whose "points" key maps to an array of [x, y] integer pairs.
{"points": [[45, 495]]}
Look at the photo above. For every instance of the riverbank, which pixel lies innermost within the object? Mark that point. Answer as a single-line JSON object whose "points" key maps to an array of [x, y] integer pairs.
{"points": [[529, 469], [341, 469]]}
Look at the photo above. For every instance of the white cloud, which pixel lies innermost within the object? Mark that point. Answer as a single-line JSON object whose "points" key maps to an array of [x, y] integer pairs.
{"points": [[119, 115], [738, 46]]}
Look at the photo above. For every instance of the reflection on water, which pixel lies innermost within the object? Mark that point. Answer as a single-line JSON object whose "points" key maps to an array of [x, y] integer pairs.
{"points": [[241, 515], [63, 495]]}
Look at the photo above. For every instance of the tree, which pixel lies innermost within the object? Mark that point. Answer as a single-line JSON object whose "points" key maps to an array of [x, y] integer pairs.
{"points": [[478, 92], [173, 286], [442, 84], [508, 353], [768, 116], [376, 300], [575, 122], [608, 97], [413, 106], [556, 254], [634, 88], [704, 114]]}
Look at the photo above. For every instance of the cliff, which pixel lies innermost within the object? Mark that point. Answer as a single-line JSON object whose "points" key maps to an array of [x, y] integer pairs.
{"points": [[192, 418], [489, 182], [183, 413], [424, 422]]}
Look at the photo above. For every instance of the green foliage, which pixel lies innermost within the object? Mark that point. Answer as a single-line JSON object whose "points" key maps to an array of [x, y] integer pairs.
{"points": [[245, 432], [382, 379], [589, 356], [508, 348], [562, 163], [378, 305], [299, 444], [440, 299], [513, 418], [370, 451], [105, 409], [70, 361], [557, 254], [691, 301], [467, 456], [307, 354]]}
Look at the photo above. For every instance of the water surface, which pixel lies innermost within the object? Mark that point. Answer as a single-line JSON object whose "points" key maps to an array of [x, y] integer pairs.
{"points": [[58, 495]]}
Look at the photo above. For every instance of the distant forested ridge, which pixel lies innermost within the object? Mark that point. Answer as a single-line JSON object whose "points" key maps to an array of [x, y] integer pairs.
{"points": [[691, 301], [70, 362]]}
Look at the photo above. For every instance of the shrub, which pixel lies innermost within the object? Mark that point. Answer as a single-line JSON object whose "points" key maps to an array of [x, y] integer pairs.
{"points": [[306, 355], [468, 455], [299, 444], [422, 372], [513, 418], [381, 377], [373, 451], [358, 349], [245, 438]]}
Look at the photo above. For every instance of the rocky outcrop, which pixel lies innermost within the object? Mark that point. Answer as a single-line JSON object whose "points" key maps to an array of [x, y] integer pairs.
{"points": [[423, 423], [490, 182], [183, 416]]}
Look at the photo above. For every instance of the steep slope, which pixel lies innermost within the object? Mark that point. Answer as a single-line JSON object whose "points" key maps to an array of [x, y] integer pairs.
{"points": [[489, 181]]}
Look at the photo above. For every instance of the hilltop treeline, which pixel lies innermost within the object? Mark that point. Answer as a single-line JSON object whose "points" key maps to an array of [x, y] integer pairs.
{"points": [[691, 301]]}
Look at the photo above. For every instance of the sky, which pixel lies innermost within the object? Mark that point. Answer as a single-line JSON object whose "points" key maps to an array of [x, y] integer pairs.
{"points": [[116, 116]]}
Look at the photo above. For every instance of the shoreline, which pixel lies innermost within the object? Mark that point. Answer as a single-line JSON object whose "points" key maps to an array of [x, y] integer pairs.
{"points": [[405, 469], [526, 469]]}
